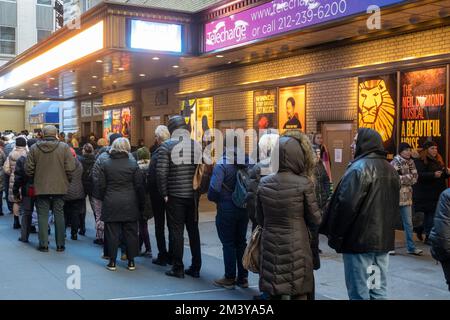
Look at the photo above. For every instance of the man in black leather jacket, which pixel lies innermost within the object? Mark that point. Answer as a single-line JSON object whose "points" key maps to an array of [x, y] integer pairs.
{"points": [[440, 234], [360, 220], [175, 184]]}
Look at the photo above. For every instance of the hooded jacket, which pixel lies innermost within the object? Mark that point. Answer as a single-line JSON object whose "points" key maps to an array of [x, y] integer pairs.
{"points": [[51, 164], [9, 168], [363, 208], [440, 234], [287, 208]]}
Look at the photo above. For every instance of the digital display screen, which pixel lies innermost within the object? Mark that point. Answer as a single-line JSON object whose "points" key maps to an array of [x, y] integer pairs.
{"points": [[156, 36]]}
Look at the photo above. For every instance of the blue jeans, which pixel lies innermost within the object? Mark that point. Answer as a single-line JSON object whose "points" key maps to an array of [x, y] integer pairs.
{"points": [[231, 223], [366, 275], [406, 213]]}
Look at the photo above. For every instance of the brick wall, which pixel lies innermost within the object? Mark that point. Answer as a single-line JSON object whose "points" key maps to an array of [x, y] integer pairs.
{"points": [[337, 97]]}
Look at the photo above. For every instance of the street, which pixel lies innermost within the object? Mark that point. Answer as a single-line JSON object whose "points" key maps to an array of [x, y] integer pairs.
{"points": [[26, 273]]}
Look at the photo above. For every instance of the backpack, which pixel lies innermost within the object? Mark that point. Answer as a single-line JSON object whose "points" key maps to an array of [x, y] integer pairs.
{"points": [[202, 178], [240, 193]]}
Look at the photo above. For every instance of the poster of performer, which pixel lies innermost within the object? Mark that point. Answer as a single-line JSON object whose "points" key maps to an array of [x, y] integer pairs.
{"points": [[265, 109], [116, 123], [423, 107], [126, 123], [205, 117], [291, 109], [377, 108], [107, 123]]}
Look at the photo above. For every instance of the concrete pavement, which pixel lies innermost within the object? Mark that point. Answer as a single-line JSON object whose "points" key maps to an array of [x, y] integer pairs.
{"points": [[26, 273]]}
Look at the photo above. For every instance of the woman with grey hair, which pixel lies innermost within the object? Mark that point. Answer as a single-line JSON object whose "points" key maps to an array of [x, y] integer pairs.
{"points": [[158, 204], [122, 191], [267, 146]]}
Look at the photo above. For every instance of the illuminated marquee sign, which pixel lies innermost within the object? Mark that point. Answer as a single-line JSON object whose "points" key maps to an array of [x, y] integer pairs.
{"points": [[155, 36], [77, 47], [280, 16]]}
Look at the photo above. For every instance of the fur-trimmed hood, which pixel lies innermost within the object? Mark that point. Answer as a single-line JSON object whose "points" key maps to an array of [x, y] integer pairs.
{"points": [[296, 153]]}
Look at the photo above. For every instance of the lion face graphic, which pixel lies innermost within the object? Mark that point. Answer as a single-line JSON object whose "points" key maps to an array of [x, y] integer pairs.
{"points": [[376, 108]]}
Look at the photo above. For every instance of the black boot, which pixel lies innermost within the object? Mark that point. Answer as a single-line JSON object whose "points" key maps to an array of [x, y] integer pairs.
{"points": [[16, 223]]}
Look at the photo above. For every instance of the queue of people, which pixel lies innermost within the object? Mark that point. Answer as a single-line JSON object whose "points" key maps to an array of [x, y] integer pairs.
{"points": [[289, 193]]}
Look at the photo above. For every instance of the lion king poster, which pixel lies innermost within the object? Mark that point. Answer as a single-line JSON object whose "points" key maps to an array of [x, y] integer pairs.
{"points": [[377, 100]]}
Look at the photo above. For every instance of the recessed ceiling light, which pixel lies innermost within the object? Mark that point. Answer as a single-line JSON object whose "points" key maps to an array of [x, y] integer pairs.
{"points": [[94, 77], [90, 93], [99, 61], [42, 92], [35, 84], [155, 58], [93, 87], [22, 89], [56, 88], [30, 96], [115, 81], [52, 78], [11, 93], [142, 75], [75, 91], [60, 95], [175, 66], [230, 62], [74, 82], [219, 56]]}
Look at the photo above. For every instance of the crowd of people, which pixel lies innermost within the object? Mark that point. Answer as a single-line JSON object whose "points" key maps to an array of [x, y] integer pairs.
{"points": [[49, 172]]}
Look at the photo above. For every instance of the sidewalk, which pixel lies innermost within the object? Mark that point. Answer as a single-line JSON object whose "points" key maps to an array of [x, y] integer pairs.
{"points": [[26, 273]]}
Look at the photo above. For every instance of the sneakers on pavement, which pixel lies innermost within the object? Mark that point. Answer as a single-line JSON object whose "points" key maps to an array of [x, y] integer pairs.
{"points": [[225, 283]]}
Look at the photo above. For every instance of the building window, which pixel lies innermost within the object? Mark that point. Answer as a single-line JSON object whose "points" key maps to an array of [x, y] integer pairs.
{"points": [[7, 40], [45, 2], [42, 34]]}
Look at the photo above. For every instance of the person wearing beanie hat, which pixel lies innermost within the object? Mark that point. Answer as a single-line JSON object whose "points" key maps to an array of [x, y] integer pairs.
{"points": [[51, 164], [432, 182], [143, 161], [175, 185], [23, 189], [113, 137], [406, 169], [9, 167]]}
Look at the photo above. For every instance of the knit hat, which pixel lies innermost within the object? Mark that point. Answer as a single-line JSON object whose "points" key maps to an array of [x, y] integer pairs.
{"points": [[21, 142], [177, 122], [50, 131], [113, 137], [403, 146], [31, 142], [143, 154], [429, 144]]}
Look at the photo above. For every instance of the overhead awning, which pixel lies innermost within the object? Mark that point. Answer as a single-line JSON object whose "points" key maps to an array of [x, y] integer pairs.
{"points": [[46, 112]]}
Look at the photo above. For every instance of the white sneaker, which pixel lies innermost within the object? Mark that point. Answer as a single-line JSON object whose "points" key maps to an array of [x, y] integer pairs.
{"points": [[416, 252], [392, 253]]}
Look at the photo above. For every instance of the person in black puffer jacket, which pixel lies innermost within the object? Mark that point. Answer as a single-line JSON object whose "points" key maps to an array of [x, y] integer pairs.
{"points": [[360, 219], [175, 184], [87, 160], [440, 234], [74, 198], [432, 181], [121, 189], [287, 209]]}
